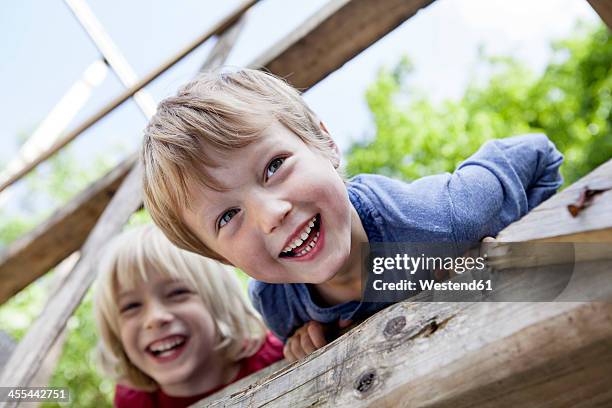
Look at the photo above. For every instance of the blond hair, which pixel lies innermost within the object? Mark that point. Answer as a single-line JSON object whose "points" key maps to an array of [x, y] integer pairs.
{"points": [[129, 259], [215, 113]]}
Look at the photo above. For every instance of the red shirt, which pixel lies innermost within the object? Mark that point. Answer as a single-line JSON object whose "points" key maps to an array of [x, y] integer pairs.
{"points": [[270, 352]]}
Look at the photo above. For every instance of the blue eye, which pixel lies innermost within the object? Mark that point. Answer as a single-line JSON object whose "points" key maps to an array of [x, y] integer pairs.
{"points": [[227, 217], [274, 166]]}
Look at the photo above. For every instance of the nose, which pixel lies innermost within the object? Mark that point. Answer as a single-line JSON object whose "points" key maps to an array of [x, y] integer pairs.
{"points": [[156, 316], [268, 211]]}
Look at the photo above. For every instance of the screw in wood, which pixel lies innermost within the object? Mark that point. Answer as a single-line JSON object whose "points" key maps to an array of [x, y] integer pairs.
{"points": [[584, 200]]}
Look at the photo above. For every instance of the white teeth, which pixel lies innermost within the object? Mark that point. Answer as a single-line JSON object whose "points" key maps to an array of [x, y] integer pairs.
{"points": [[165, 345], [308, 248], [303, 237]]}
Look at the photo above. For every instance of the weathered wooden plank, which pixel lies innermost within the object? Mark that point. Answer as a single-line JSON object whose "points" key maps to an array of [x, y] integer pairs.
{"points": [[47, 367], [64, 232], [551, 220], [111, 53], [604, 9], [334, 35], [32, 349], [7, 345], [554, 354], [251, 381]]}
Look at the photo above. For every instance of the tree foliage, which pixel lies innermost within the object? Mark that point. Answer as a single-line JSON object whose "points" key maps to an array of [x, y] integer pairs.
{"points": [[571, 101]]}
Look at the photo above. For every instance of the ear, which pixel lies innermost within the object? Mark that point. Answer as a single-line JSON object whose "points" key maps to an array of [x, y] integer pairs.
{"points": [[335, 151]]}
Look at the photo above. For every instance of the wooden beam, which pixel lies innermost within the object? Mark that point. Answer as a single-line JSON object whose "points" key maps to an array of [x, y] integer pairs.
{"points": [[493, 354], [307, 43], [111, 53], [250, 381], [56, 122], [217, 29], [333, 36], [551, 221], [47, 368], [7, 345], [32, 255], [604, 9]]}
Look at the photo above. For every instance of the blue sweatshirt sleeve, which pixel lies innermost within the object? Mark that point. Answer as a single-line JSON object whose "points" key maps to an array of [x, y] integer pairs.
{"points": [[286, 307], [271, 302], [500, 183]]}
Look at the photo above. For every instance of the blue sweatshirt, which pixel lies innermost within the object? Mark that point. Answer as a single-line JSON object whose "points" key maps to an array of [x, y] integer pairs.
{"points": [[496, 186]]}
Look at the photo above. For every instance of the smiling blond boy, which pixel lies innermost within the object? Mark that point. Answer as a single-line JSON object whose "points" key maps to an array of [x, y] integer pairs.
{"points": [[239, 169]]}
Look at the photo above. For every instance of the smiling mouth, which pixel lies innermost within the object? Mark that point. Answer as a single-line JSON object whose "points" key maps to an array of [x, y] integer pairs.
{"points": [[168, 347], [305, 242]]}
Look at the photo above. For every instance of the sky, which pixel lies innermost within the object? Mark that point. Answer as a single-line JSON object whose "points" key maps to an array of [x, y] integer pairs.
{"points": [[45, 51]]}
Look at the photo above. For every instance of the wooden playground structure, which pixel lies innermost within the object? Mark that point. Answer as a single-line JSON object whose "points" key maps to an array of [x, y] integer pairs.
{"points": [[411, 354]]}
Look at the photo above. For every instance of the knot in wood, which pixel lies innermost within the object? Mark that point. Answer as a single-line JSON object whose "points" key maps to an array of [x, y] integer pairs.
{"points": [[394, 326], [365, 381]]}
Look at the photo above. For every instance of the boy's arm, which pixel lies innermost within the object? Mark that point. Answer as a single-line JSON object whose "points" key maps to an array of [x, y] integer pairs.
{"points": [[270, 300], [299, 338], [500, 183], [299, 332]]}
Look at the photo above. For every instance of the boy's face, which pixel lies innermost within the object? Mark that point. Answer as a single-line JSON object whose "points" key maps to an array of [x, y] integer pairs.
{"points": [[285, 216], [167, 331]]}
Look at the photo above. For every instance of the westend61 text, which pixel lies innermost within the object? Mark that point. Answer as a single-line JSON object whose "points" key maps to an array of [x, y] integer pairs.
{"points": [[405, 284]]}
